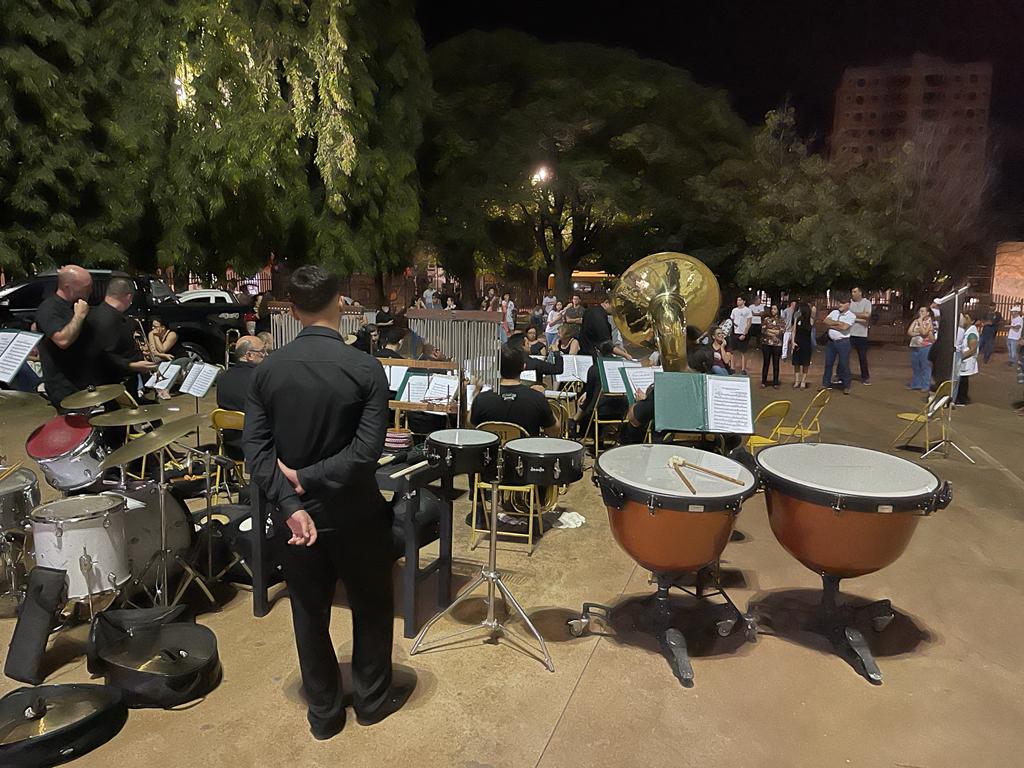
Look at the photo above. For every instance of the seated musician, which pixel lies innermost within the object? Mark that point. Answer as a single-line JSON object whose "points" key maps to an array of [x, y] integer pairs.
{"points": [[514, 401], [393, 339], [233, 386], [542, 367], [611, 407]]}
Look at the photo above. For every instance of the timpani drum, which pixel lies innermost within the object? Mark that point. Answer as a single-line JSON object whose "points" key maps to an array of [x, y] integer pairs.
{"points": [[543, 461], [464, 451], [68, 451], [845, 511], [656, 519]]}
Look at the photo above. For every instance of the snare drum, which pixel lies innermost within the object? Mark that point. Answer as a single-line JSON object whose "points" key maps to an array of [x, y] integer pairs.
{"points": [[84, 536], [68, 452], [542, 461], [19, 495], [464, 451], [845, 511], [656, 519]]}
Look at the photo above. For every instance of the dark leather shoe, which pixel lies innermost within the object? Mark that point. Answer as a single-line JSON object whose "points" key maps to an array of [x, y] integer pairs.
{"points": [[397, 696], [328, 731]]}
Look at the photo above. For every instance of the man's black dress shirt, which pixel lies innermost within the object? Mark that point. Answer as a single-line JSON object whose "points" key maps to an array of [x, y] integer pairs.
{"points": [[110, 347], [232, 389], [596, 330], [321, 407]]}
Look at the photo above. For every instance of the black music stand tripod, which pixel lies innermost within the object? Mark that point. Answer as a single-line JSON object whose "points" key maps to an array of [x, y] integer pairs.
{"points": [[490, 576]]}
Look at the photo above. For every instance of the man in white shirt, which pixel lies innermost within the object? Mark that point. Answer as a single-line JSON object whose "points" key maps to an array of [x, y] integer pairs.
{"points": [[840, 323], [549, 301], [741, 318], [756, 311], [1013, 334], [861, 307]]}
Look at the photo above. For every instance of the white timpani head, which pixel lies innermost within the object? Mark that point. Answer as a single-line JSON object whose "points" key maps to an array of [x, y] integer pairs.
{"points": [[648, 469]]}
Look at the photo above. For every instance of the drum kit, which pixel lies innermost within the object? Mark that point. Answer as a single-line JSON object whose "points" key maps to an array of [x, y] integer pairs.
{"points": [[115, 539]]}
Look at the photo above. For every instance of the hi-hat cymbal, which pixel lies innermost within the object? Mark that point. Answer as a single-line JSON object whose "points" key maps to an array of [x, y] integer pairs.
{"points": [[154, 441], [129, 417], [92, 397]]}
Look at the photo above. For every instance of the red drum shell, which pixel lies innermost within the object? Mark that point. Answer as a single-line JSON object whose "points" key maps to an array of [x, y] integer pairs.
{"points": [[58, 436], [844, 544], [669, 540]]}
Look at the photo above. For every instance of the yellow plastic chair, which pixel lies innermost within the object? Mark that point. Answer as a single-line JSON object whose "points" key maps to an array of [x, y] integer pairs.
{"points": [[505, 431], [771, 415], [809, 423], [936, 409], [221, 419]]}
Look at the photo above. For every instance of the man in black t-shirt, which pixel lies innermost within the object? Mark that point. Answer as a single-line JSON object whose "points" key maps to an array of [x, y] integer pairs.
{"points": [[60, 318], [514, 401]]}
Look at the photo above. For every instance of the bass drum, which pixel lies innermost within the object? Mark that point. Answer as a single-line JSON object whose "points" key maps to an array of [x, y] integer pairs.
{"points": [[142, 529]]}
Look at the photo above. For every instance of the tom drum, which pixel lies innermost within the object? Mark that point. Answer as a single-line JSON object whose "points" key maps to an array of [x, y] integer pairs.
{"points": [[68, 452]]}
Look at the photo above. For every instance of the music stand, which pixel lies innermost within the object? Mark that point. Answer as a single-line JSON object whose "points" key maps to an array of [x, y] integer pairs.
{"points": [[950, 307], [490, 576]]}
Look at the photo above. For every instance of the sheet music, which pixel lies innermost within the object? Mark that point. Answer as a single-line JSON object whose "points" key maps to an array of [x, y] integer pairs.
{"points": [[641, 378], [415, 389], [199, 380], [616, 386], [530, 376], [15, 347], [441, 389], [729, 408], [164, 376], [396, 373], [574, 368]]}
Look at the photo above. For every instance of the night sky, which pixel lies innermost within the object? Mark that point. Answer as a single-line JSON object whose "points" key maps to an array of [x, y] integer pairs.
{"points": [[766, 51]]}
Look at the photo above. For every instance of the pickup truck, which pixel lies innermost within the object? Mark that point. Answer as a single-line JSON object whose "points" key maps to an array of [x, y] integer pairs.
{"points": [[202, 328]]}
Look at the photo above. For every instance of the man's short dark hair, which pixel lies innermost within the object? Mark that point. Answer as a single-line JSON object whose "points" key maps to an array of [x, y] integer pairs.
{"points": [[513, 361], [396, 335], [841, 297], [313, 288], [517, 340], [119, 287], [606, 349]]}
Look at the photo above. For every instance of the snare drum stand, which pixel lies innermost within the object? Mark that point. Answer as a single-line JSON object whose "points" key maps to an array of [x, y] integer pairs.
{"points": [[488, 574]]}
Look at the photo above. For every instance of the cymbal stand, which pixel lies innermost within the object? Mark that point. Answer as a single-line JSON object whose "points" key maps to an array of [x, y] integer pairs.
{"points": [[490, 576]]}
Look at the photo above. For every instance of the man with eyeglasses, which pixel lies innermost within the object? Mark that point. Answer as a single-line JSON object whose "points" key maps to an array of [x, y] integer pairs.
{"points": [[233, 386]]}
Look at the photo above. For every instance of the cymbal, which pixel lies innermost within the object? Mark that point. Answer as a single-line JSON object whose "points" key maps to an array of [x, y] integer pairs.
{"points": [[129, 417], [92, 397], [154, 441], [24, 404]]}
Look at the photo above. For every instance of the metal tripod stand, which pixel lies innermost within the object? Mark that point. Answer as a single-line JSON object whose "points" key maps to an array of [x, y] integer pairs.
{"points": [[490, 576], [947, 440]]}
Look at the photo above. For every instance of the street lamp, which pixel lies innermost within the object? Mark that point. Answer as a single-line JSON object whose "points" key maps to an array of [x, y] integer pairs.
{"points": [[541, 175]]}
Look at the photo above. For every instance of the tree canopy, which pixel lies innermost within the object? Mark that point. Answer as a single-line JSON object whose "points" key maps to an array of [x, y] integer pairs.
{"points": [[211, 133], [568, 153]]}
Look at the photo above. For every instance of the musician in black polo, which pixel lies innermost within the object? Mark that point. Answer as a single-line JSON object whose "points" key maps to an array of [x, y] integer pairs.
{"points": [[315, 420], [514, 401]]}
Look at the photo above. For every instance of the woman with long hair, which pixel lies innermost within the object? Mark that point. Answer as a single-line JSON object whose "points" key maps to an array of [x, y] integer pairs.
{"points": [[722, 365], [922, 336], [803, 334], [568, 344]]}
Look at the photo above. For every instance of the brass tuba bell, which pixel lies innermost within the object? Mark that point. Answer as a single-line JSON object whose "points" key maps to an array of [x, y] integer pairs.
{"points": [[658, 297]]}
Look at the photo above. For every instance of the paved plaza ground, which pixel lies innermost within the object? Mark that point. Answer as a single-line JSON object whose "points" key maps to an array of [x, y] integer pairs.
{"points": [[952, 659]]}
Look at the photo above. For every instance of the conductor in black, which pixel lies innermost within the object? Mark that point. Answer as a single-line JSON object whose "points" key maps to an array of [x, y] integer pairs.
{"points": [[315, 420]]}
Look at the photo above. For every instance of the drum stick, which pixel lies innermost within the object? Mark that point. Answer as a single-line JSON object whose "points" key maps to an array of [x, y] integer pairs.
{"points": [[711, 472], [383, 461], [683, 477], [409, 470], [10, 470]]}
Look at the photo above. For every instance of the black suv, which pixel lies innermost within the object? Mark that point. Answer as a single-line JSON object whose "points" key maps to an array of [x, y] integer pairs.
{"points": [[201, 327]]}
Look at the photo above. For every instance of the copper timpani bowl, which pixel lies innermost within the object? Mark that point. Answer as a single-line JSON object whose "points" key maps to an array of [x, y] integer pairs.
{"points": [[845, 511], [662, 525]]}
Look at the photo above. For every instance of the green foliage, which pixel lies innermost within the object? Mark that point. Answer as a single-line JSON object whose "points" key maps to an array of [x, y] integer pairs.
{"points": [[617, 135], [83, 101], [201, 133], [807, 224]]}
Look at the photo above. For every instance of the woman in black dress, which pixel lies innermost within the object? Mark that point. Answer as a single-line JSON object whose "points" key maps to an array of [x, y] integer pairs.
{"points": [[801, 354]]}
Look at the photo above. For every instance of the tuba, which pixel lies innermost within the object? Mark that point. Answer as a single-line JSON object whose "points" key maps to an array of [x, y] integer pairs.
{"points": [[661, 296]]}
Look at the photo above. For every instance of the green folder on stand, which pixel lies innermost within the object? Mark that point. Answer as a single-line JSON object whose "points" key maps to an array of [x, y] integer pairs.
{"points": [[696, 402]]}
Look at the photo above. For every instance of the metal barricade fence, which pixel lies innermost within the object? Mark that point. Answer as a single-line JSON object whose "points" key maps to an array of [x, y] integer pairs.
{"points": [[468, 337]]}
